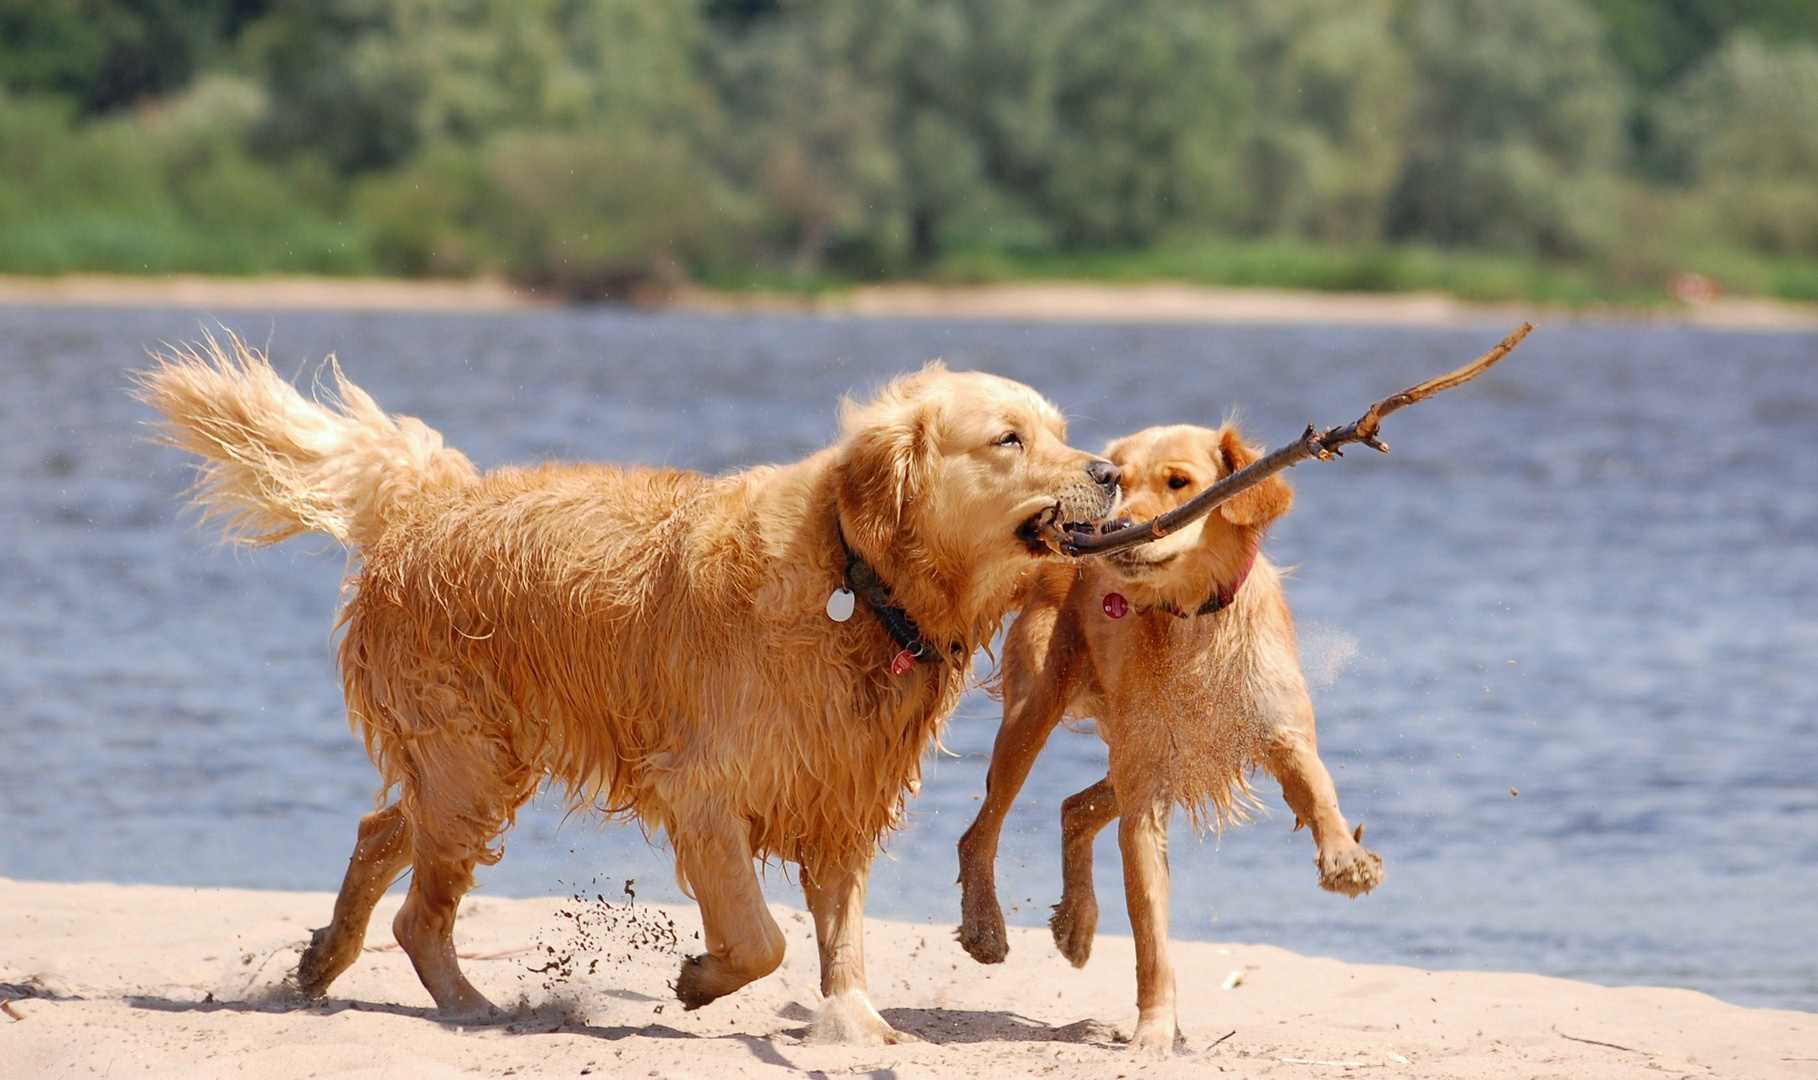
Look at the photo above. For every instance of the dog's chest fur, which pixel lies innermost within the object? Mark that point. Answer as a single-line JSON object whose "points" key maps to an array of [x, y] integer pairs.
{"points": [[1186, 701]]}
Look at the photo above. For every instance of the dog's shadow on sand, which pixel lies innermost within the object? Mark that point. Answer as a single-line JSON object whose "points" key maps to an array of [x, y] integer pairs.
{"points": [[275, 1004], [539, 1020], [943, 1027], [940, 1027], [952, 1026]]}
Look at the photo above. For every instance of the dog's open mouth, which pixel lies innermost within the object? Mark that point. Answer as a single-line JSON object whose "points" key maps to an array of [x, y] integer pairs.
{"points": [[1140, 560], [1045, 532], [1137, 560]]}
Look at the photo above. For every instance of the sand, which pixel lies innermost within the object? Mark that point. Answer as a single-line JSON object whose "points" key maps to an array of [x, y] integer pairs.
{"points": [[194, 291], [1173, 303], [129, 981], [1025, 302]]}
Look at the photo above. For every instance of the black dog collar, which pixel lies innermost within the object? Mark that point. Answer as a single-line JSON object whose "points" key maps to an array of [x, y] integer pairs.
{"points": [[863, 580]]}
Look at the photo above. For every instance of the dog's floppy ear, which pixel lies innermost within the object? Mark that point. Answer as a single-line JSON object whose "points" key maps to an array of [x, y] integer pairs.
{"points": [[1261, 504], [882, 470]]}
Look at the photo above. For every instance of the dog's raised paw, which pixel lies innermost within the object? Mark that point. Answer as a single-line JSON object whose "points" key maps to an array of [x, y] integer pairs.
{"points": [[1353, 871], [1074, 927], [983, 943], [693, 984]]}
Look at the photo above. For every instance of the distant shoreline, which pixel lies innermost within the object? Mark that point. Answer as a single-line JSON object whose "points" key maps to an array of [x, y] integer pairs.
{"points": [[1041, 301]]}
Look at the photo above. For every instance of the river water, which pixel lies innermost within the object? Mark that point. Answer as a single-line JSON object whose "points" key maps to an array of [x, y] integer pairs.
{"points": [[1591, 577]]}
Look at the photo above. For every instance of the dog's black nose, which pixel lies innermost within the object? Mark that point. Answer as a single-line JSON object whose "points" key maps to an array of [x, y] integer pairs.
{"points": [[1105, 473]]}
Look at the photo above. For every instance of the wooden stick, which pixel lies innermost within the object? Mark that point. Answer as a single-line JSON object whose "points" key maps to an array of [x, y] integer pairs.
{"points": [[1323, 445], [1600, 1042]]}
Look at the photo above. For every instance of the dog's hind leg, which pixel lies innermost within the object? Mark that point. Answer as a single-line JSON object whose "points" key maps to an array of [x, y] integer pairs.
{"points": [[380, 856], [453, 826], [1142, 837], [743, 941], [1291, 754], [1040, 663], [425, 928], [1075, 919], [836, 897]]}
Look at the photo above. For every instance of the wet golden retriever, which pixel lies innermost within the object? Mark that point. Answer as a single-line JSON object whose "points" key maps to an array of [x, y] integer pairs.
{"points": [[658, 643], [1182, 652]]}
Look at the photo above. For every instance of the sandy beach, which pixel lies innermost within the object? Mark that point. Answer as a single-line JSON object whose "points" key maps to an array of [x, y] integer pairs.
{"points": [[1025, 302], [281, 293], [110, 980]]}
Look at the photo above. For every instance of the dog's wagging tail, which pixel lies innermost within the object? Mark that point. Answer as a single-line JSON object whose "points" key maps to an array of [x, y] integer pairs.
{"points": [[276, 464], [655, 643]]}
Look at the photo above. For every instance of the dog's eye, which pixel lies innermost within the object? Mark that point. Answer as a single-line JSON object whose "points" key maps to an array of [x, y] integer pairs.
{"points": [[1009, 438], [1178, 482]]}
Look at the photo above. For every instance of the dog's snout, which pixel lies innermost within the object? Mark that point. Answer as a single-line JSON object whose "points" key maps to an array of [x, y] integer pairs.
{"points": [[1104, 473]]}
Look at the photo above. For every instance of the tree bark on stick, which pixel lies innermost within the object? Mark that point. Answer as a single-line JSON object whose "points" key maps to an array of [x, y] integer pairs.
{"points": [[1323, 445]]}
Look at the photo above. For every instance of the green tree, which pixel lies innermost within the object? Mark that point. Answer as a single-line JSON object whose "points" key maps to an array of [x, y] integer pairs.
{"points": [[47, 46], [1741, 130], [1660, 40], [812, 107], [1331, 94], [164, 190], [336, 89], [1749, 112], [365, 83], [887, 132], [1131, 112], [1517, 128], [564, 141], [107, 53]]}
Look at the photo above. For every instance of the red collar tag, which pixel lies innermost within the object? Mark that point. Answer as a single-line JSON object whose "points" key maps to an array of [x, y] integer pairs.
{"points": [[903, 664], [1116, 607]]}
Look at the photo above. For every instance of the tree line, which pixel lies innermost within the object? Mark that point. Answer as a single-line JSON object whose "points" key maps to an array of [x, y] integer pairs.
{"points": [[596, 146]]}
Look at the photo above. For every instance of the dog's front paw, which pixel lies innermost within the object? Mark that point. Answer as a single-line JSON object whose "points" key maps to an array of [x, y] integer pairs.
{"points": [[471, 1008], [986, 944], [1156, 1036], [317, 968], [1074, 924], [981, 930], [849, 1019], [1353, 870], [701, 981]]}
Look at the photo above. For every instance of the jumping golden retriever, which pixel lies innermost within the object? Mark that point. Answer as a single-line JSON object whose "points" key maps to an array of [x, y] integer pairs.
{"points": [[1182, 652], [684, 649]]}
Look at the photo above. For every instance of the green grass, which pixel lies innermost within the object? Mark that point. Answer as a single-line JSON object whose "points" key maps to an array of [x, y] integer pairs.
{"points": [[101, 243], [1795, 280], [1292, 264], [73, 242], [1289, 264]]}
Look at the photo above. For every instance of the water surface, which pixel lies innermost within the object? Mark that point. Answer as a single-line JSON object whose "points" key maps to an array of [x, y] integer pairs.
{"points": [[1591, 578]]}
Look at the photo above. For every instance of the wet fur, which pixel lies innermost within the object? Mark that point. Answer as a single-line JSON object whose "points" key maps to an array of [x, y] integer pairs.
{"points": [[1188, 707], [652, 641]]}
